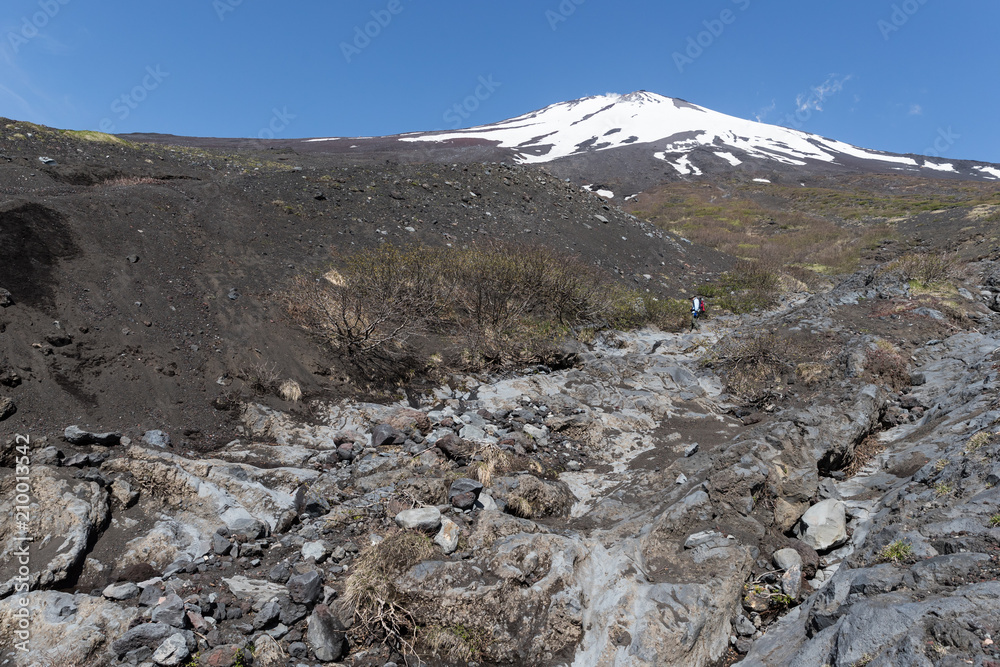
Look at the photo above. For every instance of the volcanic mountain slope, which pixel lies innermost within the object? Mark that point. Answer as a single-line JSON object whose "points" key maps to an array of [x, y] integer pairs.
{"points": [[628, 143], [145, 279]]}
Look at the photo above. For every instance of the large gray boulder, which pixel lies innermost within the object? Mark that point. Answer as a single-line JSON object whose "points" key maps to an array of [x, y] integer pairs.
{"points": [[424, 519], [824, 525]]}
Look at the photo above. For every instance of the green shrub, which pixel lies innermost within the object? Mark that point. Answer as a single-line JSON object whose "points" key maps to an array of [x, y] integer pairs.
{"points": [[750, 285], [895, 552]]}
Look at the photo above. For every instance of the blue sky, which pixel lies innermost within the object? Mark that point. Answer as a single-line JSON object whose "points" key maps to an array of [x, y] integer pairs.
{"points": [[905, 76]]}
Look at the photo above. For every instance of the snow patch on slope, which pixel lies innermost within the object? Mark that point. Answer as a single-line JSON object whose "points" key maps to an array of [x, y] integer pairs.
{"points": [[992, 171]]}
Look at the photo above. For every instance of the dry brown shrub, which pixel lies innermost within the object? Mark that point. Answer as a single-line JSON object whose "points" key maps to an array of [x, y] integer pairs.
{"points": [[379, 608], [884, 363]]}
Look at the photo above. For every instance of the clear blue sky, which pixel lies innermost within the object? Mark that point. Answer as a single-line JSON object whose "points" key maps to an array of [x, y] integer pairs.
{"points": [[929, 72]]}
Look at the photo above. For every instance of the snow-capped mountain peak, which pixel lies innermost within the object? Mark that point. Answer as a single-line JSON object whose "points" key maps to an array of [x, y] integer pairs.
{"points": [[673, 130]]}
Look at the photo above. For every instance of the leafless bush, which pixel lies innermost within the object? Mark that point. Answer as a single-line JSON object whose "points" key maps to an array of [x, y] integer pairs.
{"points": [[926, 268], [750, 362], [495, 303], [260, 378]]}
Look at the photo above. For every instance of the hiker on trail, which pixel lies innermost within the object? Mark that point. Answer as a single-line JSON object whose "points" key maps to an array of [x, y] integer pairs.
{"points": [[697, 310]]}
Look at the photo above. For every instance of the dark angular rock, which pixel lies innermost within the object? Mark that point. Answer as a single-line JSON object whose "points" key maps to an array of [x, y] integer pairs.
{"points": [[147, 635], [464, 501], [384, 435], [280, 573], [305, 588], [326, 635], [220, 545], [170, 612], [465, 485], [346, 452], [6, 298], [291, 613], [453, 447], [77, 436], [267, 616]]}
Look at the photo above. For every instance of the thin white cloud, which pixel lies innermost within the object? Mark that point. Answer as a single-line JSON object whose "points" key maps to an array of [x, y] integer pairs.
{"points": [[916, 110], [764, 112], [813, 101]]}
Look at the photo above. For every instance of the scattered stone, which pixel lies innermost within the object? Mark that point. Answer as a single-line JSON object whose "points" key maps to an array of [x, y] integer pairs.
{"points": [[233, 294], [786, 559], [464, 501], [447, 537], [147, 634], [791, 582], [681, 479], [383, 435], [691, 450], [156, 439], [465, 485], [486, 503], [326, 635], [424, 519], [74, 435], [170, 612], [824, 525], [172, 652], [744, 626], [267, 616], [305, 588], [318, 551], [132, 259], [220, 545], [6, 298], [123, 591]]}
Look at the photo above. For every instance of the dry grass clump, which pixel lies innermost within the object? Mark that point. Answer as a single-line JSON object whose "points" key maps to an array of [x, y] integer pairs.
{"points": [[494, 460], [811, 372], [886, 364], [456, 643], [290, 390], [379, 609]]}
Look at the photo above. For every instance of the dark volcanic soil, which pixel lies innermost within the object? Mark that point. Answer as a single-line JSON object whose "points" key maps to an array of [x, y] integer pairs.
{"points": [[145, 278]]}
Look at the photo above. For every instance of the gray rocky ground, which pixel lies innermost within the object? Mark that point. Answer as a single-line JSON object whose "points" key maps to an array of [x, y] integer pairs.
{"points": [[627, 510]]}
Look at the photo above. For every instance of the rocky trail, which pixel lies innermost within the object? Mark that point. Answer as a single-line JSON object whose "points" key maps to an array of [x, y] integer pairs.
{"points": [[626, 510]]}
